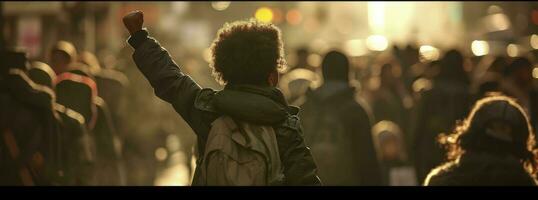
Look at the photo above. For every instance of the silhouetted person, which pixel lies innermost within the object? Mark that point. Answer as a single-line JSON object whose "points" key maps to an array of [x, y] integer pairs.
{"points": [[408, 57], [79, 92], [448, 100], [493, 146], [246, 57], [338, 128], [30, 149], [77, 144], [391, 100], [302, 54]]}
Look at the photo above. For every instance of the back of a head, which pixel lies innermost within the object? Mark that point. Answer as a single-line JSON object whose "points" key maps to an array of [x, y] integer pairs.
{"points": [[12, 59], [63, 53], [495, 143], [387, 131], [247, 52], [497, 125], [42, 74], [452, 66], [335, 66]]}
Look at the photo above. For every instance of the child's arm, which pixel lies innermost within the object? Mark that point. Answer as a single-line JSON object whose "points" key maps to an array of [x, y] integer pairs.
{"points": [[164, 75]]}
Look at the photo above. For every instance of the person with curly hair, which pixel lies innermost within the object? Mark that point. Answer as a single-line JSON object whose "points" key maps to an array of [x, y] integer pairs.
{"points": [[246, 58], [494, 145]]}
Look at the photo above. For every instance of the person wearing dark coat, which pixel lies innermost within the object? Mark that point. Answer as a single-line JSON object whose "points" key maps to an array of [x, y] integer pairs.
{"points": [[246, 58], [493, 146], [30, 148], [448, 100], [79, 92], [78, 146], [334, 111]]}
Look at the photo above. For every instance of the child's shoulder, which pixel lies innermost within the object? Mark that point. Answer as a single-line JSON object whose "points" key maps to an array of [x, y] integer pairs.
{"points": [[204, 100]]}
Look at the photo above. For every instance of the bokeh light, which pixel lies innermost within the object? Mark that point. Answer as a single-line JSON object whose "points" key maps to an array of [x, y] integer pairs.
{"points": [[535, 73], [355, 47], [278, 17], [494, 9], [161, 154], [534, 41], [294, 17], [314, 60], [512, 50], [376, 16], [220, 5], [428, 53], [497, 22], [480, 48], [264, 14], [377, 43]]}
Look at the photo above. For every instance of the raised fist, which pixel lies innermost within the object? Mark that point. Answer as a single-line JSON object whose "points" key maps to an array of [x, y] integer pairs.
{"points": [[133, 21]]}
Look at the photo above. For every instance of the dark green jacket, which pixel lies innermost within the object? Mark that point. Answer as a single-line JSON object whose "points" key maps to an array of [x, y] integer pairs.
{"points": [[200, 107]]}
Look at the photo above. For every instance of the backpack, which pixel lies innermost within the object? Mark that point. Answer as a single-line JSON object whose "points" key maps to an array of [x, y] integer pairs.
{"points": [[330, 144], [240, 154]]}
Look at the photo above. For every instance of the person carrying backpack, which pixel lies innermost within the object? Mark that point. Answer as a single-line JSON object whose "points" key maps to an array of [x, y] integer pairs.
{"points": [[337, 127], [247, 134]]}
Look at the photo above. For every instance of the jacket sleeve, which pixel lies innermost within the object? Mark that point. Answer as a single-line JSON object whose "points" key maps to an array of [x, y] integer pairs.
{"points": [[164, 75], [298, 163]]}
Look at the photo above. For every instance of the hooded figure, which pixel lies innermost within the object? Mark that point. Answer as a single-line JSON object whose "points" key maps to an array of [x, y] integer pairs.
{"points": [[493, 146], [338, 128]]}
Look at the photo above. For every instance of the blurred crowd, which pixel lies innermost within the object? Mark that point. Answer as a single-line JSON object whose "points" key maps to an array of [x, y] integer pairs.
{"points": [[67, 120], [414, 104], [70, 120]]}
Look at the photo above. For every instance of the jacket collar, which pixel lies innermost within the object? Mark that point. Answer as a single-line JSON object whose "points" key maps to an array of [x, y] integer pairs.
{"points": [[256, 104]]}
